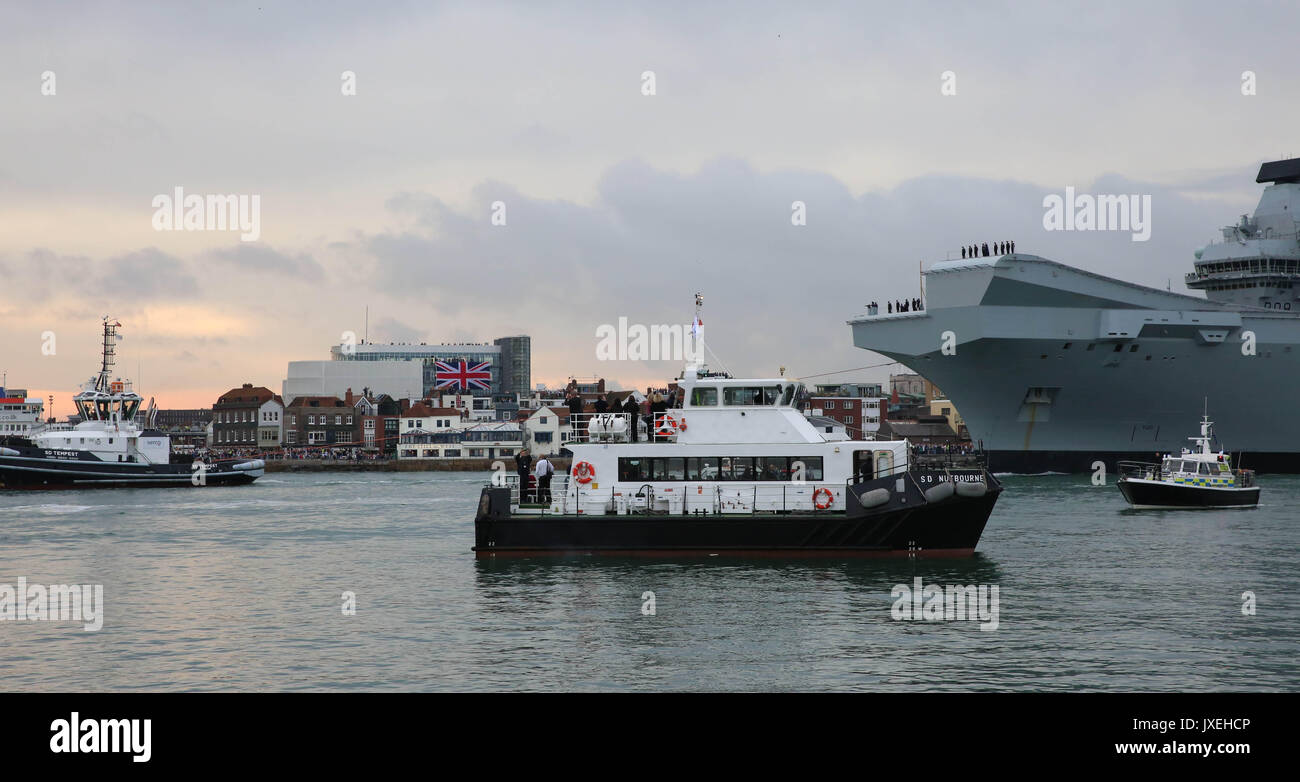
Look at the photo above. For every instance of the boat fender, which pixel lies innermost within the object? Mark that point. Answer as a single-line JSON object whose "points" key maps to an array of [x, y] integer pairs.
{"points": [[874, 498], [972, 489], [939, 493], [8, 452]]}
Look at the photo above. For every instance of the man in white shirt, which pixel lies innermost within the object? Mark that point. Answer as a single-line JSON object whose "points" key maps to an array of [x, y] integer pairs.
{"points": [[543, 470]]}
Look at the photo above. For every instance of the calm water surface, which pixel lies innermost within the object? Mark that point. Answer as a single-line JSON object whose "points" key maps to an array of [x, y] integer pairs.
{"points": [[240, 589]]}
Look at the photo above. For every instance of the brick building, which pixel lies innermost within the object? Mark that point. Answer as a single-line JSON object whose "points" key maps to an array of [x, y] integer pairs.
{"points": [[235, 416]]}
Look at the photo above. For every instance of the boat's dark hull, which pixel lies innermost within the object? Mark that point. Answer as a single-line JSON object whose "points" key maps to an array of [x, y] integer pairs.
{"points": [[30, 472], [949, 528], [1152, 494]]}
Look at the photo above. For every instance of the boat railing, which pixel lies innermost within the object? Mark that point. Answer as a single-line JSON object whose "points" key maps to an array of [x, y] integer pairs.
{"points": [[616, 427], [1244, 478], [1146, 471]]}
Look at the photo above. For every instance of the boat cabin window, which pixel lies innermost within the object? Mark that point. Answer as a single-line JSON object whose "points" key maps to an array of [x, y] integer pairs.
{"points": [[129, 407], [751, 396], [1204, 468], [704, 396], [719, 468]]}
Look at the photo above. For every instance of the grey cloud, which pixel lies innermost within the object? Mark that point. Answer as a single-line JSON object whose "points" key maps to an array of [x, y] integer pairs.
{"points": [[252, 256], [775, 293]]}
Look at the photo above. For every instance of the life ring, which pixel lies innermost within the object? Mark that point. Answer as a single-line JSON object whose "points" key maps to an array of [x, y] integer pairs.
{"points": [[830, 497], [583, 472], [666, 426]]}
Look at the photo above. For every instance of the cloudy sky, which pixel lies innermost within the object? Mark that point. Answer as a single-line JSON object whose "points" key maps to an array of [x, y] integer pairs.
{"points": [[617, 203]]}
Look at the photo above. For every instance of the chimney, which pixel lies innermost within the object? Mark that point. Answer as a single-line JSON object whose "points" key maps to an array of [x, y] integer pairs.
{"points": [[348, 398], [248, 385]]}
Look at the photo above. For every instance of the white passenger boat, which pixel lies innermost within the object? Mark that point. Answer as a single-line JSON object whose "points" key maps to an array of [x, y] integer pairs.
{"points": [[737, 468]]}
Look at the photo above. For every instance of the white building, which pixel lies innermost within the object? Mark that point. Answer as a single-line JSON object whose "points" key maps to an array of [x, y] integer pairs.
{"points": [[547, 430], [19, 413], [398, 379], [422, 418], [491, 440], [270, 423]]}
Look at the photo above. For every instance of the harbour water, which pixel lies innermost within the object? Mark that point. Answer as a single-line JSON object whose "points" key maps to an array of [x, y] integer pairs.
{"points": [[242, 588]]}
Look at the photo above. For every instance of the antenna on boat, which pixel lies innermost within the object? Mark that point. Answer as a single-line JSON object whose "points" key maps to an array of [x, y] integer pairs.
{"points": [[697, 331], [106, 364]]}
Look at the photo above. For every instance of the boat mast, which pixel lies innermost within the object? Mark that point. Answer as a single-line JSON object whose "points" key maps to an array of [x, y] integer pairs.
{"points": [[106, 365], [697, 329]]}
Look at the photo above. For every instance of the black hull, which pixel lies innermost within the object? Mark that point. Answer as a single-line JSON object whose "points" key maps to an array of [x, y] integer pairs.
{"points": [[1036, 462], [37, 473], [950, 528], [1158, 495]]}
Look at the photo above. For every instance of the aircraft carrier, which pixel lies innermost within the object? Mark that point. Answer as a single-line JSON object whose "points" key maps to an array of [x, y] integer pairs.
{"points": [[1055, 368]]}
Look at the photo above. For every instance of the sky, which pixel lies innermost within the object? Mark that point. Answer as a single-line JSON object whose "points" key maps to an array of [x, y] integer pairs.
{"points": [[617, 203]]}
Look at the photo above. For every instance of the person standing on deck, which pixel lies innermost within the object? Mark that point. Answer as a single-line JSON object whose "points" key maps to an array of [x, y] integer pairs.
{"points": [[544, 471], [523, 468], [633, 411]]}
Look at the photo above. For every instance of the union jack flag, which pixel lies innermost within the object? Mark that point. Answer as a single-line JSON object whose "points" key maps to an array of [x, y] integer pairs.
{"points": [[464, 376]]}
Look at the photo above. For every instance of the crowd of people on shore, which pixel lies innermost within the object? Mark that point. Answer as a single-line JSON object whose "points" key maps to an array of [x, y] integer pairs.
{"points": [[345, 454]]}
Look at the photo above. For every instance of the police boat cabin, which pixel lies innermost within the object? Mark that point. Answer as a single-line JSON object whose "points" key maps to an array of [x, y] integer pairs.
{"points": [[737, 468]]}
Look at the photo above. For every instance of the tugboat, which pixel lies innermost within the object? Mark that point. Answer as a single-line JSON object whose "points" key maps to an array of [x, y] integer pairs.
{"points": [[737, 469], [1196, 478], [113, 445]]}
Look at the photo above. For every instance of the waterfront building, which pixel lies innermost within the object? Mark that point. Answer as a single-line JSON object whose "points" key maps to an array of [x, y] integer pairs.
{"points": [[490, 440], [473, 369], [859, 407], [399, 379], [943, 406], [319, 421], [236, 416], [19, 412], [516, 364], [270, 423], [421, 417], [547, 430]]}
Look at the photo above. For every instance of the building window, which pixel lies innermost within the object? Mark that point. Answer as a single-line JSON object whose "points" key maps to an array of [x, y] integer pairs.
{"points": [[830, 405], [338, 420], [311, 419], [349, 421]]}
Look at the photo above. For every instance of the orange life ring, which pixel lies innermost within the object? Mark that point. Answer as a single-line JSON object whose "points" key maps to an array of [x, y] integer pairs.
{"points": [[830, 497], [666, 425], [583, 472]]}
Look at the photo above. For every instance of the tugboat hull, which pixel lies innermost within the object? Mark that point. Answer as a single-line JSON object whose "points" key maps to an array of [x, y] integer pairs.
{"points": [[1144, 494], [33, 472], [948, 529]]}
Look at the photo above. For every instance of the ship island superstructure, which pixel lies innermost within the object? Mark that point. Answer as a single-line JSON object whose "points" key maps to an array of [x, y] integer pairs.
{"points": [[1056, 369]]}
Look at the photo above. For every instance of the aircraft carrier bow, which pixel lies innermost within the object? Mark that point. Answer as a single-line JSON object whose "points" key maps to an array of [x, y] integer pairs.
{"points": [[1054, 368]]}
